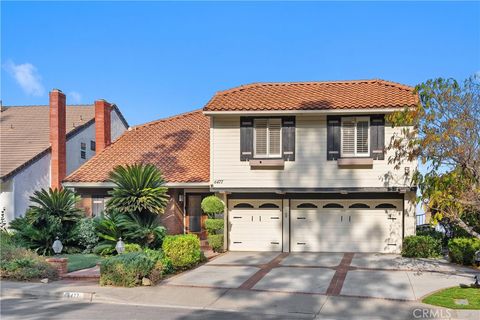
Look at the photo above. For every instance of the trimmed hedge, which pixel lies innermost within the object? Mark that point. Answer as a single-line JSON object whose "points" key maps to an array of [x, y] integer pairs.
{"points": [[126, 270], [462, 250], [421, 247], [183, 250], [212, 205], [214, 226], [216, 242]]}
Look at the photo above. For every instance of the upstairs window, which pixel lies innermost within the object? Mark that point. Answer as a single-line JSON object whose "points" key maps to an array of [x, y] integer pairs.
{"points": [[355, 134], [268, 138], [83, 148]]}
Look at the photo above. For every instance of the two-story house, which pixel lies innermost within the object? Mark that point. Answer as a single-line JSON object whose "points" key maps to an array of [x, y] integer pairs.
{"points": [[301, 166], [40, 145]]}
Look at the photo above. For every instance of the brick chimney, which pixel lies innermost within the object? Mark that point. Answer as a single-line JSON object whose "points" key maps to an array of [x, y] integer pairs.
{"points": [[58, 131], [103, 136]]}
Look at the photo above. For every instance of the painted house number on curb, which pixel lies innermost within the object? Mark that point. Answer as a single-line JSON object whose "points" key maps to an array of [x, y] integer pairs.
{"points": [[73, 295]]}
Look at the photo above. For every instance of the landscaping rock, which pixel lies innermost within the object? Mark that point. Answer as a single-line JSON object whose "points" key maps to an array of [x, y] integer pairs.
{"points": [[44, 280], [146, 282], [461, 302]]}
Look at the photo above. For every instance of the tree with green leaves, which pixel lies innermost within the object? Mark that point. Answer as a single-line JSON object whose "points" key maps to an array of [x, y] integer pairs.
{"points": [[53, 213], [444, 134]]}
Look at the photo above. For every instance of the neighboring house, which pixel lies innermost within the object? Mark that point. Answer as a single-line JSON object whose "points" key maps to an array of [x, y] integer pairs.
{"points": [[40, 145], [301, 166]]}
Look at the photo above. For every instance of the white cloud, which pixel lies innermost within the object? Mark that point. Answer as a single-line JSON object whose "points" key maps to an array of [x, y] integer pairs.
{"points": [[27, 77], [74, 97]]}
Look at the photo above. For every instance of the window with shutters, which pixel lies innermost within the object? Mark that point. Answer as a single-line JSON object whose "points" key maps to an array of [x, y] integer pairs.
{"points": [[267, 138], [355, 133]]}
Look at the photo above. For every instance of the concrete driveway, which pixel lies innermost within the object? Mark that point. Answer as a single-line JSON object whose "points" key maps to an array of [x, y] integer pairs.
{"points": [[384, 276]]}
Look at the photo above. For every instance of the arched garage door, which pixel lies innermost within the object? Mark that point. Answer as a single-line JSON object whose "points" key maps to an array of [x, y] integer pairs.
{"points": [[255, 225], [345, 226]]}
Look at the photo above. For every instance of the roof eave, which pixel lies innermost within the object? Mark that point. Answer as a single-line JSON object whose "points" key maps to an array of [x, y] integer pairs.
{"points": [[106, 184], [329, 111]]}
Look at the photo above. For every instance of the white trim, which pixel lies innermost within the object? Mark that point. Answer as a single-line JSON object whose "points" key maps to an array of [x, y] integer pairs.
{"points": [[111, 185], [283, 112]]}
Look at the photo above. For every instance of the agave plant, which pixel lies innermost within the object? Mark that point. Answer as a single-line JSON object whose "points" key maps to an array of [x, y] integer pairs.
{"points": [[53, 213], [138, 189]]}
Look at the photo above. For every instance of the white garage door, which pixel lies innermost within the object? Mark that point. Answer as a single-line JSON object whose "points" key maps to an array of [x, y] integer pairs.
{"points": [[255, 225], [346, 226]]}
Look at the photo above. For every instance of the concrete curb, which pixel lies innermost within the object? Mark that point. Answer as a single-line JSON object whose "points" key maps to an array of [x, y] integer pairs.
{"points": [[93, 297], [57, 295]]}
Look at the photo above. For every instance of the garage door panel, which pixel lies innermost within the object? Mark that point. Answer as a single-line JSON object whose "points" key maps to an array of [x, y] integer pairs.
{"points": [[347, 229], [255, 229]]}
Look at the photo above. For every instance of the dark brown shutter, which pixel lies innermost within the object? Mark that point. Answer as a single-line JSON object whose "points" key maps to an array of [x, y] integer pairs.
{"points": [[288, 138], [377, 132], [246, 138], [333, 137]]}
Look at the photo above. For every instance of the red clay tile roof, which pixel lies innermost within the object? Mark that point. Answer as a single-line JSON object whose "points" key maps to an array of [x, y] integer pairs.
{"points": [[358, 94], [179, 146], [25, 133]]}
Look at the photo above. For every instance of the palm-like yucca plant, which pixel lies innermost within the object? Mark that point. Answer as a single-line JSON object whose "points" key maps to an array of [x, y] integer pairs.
{"points": [[109, 230], [53, 213], [144, 229], [138, 189]]}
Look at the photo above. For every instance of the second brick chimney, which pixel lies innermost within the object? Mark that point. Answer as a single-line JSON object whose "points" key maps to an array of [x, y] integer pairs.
{"points": [[58, 131], [103, 136]]}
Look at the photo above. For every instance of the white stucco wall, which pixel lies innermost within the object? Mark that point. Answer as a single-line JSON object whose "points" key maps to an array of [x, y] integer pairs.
{"points": [[74, 159], [16, 191], [6, 199], [117, 126]]}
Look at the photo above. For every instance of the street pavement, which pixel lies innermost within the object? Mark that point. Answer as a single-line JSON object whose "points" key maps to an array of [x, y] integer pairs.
{"points": [[34, 309]]}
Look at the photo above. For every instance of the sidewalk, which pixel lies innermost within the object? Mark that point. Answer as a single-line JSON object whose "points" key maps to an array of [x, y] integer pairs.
{"points": [[237, 300]]}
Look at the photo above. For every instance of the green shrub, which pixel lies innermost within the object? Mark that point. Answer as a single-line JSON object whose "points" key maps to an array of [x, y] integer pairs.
{"points": [[462, 250], [18, 263], [53, 213], [212, 205], [421, 247], [126, 270], [431, 232], [132, 247], [86, 234], [216, 242], [183, 250], [214, 226], [105, 249], [142, 228], [158, 256]]}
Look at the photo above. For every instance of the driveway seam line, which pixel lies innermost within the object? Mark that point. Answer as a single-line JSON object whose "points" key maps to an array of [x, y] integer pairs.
{"points": [[336, 284], [264, 269], [411, 285]]}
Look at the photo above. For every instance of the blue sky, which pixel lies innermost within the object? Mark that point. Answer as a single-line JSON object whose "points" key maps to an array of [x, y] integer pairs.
{"points": [[155, 59]]}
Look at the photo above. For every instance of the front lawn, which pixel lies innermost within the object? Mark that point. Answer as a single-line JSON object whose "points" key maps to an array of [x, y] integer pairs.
{"points": [[79, 261], [446, 298]]}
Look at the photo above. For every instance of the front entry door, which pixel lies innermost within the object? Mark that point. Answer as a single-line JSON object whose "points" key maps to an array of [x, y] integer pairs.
{"points": [[194, 212]]}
